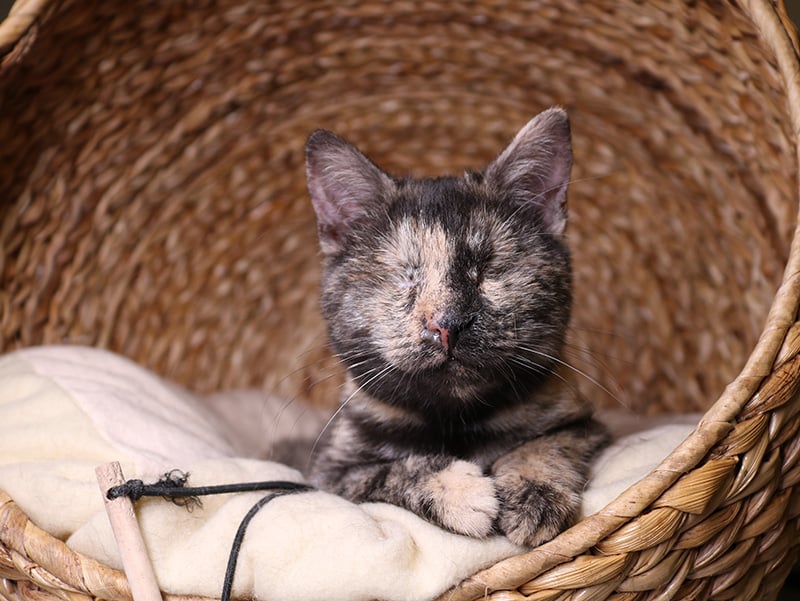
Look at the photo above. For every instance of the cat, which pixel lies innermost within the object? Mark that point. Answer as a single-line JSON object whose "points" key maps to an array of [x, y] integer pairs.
{"points": [[448, 299]]}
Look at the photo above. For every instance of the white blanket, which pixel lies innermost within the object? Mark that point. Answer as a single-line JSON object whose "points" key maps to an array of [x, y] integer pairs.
{"points": [[65, 410]]}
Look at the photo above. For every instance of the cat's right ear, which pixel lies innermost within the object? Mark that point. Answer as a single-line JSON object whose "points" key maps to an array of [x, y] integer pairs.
{"points": [[535, 168], [344, 185]]}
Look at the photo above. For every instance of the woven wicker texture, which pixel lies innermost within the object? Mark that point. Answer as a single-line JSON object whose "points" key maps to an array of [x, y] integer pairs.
{"points": [[154, 203]]}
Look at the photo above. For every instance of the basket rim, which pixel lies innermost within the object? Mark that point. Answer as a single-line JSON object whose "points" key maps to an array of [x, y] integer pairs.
{"points": [[19, 20]]}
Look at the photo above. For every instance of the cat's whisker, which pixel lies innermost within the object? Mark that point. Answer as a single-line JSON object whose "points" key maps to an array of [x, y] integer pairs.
{"points": [[593, 360], [304, 363], [537, 368], [322, 378], [548, 372], [601, 332], [510, 376], [581, 180], [375, 376], [335, 371], [578, 371], [576, 342], [593, 355], [357, 364]]}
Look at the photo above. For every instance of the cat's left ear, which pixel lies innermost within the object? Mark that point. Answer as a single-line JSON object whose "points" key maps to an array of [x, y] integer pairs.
{"points": [[535, 167]]}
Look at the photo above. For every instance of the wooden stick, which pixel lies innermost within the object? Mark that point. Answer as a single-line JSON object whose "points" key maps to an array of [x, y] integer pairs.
{"points": [[132, 551]]}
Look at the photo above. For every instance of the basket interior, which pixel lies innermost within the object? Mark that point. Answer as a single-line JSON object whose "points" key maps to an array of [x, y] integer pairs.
{"points": [[155, 203]]}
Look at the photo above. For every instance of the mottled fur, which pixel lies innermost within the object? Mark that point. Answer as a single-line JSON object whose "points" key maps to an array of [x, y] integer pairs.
{"points": [[448, 301]]}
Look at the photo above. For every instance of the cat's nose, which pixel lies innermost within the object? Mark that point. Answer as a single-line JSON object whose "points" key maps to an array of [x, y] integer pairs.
{"points": [[436, 334], [444, 331]]}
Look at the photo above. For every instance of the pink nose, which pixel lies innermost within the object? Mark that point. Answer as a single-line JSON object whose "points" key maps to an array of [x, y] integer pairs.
{"points": [[437, 334]]}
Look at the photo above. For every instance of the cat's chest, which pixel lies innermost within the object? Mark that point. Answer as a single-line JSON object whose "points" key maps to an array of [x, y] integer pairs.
{"points": [[394, 434]]}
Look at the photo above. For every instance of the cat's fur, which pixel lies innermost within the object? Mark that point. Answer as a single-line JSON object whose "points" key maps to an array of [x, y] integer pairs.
{"points": [[448, 300]]}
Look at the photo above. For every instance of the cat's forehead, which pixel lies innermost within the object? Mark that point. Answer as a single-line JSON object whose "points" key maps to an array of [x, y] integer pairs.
{"points": [[456, 206], [443, 238], [411, 233], [441, 219]]}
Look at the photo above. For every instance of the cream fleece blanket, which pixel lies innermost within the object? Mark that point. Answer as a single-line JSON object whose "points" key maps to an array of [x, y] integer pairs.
{"points": [[65, 410]]}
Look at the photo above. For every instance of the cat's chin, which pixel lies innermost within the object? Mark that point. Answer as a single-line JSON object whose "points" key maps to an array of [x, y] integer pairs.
{"points": [[440, 364], [454, 374]]}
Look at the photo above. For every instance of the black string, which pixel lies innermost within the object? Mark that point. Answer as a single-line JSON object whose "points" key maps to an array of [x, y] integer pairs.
{"points": [[173, 488]]}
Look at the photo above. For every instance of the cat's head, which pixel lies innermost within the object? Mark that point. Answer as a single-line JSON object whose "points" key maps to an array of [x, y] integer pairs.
{"points": [[447, 291]]}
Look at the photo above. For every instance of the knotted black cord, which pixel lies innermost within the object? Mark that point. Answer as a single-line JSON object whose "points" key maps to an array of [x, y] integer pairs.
{"points": [[172, 487]]}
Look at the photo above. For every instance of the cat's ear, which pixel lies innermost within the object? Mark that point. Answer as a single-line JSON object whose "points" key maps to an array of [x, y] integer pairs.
{"points": [[344, 185], [535, 167]]}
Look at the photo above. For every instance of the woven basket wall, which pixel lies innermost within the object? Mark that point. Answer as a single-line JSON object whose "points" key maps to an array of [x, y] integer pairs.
{"points": [[153, 202]]}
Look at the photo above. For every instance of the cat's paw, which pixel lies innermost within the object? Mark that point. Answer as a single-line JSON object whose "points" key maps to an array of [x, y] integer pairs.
{"points": [[463, 500], [532, 513]]}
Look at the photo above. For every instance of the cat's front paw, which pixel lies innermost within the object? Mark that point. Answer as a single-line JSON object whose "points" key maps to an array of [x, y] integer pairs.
{"points": [[463, 500], [533, 513]]}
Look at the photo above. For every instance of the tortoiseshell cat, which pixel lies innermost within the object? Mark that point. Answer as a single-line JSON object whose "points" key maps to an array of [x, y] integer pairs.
{"points": [[448, 300]]}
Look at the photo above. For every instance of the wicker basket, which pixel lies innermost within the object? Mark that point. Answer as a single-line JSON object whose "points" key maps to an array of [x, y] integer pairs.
{"points": [[154, 203]]}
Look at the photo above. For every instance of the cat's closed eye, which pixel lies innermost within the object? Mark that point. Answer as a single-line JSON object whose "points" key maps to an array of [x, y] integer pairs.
{"points": [[494, 269], [482, 263]]}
